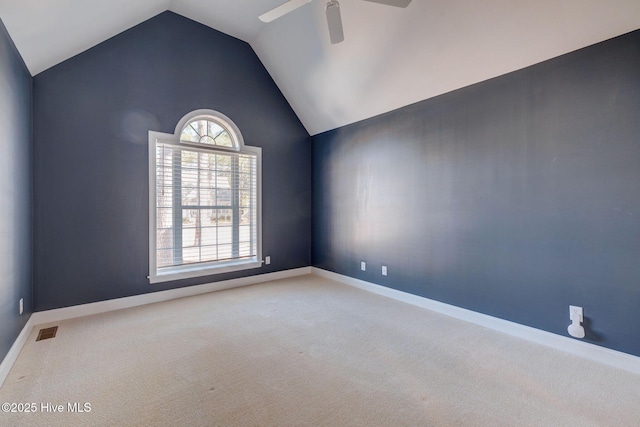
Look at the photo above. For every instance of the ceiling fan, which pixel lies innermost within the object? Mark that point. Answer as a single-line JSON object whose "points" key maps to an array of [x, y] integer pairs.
{"points": [[334, 21]]}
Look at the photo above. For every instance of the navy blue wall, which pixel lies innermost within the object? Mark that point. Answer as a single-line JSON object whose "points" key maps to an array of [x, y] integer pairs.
{"points": [[514, 197], [15, 192], [91, 118]]}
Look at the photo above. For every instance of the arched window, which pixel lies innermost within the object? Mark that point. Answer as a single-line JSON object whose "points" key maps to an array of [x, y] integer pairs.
{"points": [[208, 130], [205, 207]]}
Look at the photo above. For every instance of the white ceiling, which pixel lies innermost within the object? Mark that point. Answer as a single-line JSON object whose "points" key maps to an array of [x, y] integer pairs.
{"points": [[390, 58]]}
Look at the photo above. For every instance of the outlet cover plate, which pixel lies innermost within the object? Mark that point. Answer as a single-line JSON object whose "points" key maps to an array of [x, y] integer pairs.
{"points": [[575, 311]]}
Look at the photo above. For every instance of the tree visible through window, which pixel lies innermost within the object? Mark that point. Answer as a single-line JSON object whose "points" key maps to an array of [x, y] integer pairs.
{"points": [[207, 200], [206, 131]]}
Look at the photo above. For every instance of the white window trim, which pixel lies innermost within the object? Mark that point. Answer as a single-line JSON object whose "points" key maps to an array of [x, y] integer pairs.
{"points": [[204, 269]]}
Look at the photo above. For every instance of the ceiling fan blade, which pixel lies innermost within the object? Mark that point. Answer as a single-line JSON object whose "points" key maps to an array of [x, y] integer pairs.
{"points": [[334, 21], [282, 10], [396, 3]]}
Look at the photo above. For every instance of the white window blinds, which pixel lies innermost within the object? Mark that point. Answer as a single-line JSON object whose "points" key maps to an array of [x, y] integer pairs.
{"points": [[206, 208]]}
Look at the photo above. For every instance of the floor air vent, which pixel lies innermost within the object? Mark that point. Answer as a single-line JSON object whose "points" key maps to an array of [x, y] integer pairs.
{"points": [[47, 333]]}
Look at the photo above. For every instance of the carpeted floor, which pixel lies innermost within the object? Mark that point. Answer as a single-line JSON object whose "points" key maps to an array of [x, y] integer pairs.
{"points": [[305, 352]]}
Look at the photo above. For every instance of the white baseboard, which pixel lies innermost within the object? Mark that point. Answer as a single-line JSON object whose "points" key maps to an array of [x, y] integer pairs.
{"points": [[587, 350], [14, 351], [65, 313], [59, 314]]}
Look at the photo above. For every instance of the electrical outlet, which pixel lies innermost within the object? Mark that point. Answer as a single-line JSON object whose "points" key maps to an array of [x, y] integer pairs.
{"points": [[384, 270], [575, 313], [575, 329], [21, 305], [363, 266], [267, 260]]}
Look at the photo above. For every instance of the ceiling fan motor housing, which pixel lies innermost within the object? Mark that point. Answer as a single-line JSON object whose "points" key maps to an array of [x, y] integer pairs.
{"points": [[334, 21]]}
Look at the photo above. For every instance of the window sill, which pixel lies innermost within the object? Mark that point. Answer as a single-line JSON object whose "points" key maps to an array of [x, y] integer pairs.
{"points": [[186, 272]]}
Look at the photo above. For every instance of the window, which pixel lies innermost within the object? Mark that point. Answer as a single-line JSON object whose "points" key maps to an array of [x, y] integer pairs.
{"points": [[204, 198]]}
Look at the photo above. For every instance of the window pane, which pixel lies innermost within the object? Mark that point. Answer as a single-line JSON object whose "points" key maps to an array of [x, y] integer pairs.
{"points": [[189, 134], [209, 253], [245, 198], [244, 164], [209, 236], [224, 216], [165, 257], [164, 196], [190, 255], [223, 163], [188, 237], [224, 252], [164, 169], [164, 218], [224, 140], [201, 127], [245, 216], [245, 249], [207, 196], [189, 188], [164, 238], [225, 235], [189, 217], [245, 233], [206, 191], [208, 224], [215, 129], [244, 181], [223, 197]]}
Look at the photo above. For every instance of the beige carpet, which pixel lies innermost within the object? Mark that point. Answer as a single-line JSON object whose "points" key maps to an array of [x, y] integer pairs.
{"points": [[306, 351]]}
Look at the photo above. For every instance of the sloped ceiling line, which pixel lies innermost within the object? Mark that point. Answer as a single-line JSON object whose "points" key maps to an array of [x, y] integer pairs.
{"points": [[390, 57]]}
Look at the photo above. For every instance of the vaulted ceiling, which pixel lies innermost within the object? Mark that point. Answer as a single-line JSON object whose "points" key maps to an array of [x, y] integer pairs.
{"points": [[390, 58]]}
